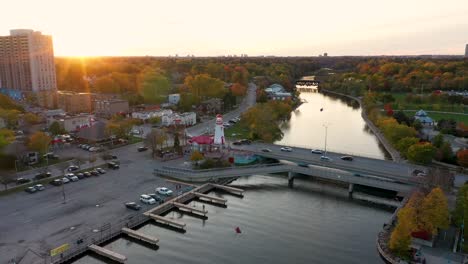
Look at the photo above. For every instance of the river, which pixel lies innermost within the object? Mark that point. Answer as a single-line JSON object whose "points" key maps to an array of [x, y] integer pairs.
{"points": [[310, 223]]}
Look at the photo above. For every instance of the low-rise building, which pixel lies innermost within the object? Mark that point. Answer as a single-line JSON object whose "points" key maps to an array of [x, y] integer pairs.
{"points": [[145, 115], [422, 117], [212, 106], [187, 119], [108, 108], [74, 103], [173, 98], [72, 123], [2, 123], [277, 92]]}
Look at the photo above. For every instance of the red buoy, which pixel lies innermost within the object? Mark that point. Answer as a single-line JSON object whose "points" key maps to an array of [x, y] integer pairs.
{"points": [[238, 231]]}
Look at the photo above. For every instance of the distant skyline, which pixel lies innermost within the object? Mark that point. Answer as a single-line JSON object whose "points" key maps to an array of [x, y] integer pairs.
{"points": [[253, 27]]}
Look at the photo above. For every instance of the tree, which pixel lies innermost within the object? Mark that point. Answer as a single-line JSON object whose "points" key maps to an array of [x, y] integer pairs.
{"points": [[421, 153], [154, 86], [6, 137], [435, 212], [154, 120], [461, 207], [400, 239], [155, 139], [120, 126], [203, 86], [238, 89], [196, 156], [56, 129], [438, 140], [10, 116], [462, 157], [39, 142], [177, 146], [8, 104], [31, 118], [445, 153], [404, 144]]}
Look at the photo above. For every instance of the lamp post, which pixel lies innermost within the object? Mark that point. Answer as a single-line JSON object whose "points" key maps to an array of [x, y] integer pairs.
{"points": [[326, 135]]}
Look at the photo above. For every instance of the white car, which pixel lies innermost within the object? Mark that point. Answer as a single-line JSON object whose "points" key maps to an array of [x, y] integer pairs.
{"points": [[316, 151], [146, 199], [164, 191], [69, 175], [325, 158], [65, 180], [287, 149], [74, 178], [39, 187]]}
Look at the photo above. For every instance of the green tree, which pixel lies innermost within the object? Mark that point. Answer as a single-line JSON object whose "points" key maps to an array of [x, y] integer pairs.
{"points": [[154, 86], [461, 207], [154, 120], [404, 144], [10, 116], [39, 142], [438, 140], [203, 86], [422, 153], [31, 118], [56, 129], [6, 137], [435, 212]]}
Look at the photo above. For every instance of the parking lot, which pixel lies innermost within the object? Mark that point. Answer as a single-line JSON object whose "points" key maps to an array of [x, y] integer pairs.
{"points": [[41, 221]]}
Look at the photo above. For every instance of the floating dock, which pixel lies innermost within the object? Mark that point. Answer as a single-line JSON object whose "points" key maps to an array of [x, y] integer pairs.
{"points": [[190, 208], [107, 253], [229, 189], [140, 236], [211, 198], [167, 221]]}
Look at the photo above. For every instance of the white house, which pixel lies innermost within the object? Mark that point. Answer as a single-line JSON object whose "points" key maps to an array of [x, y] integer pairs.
{"points": [[72, 123], [187, 119], [145, 115], [173, 98]]}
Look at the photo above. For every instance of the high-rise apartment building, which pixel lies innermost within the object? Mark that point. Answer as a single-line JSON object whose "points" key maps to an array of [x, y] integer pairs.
{"points": [[27, 62], [466, 51]]}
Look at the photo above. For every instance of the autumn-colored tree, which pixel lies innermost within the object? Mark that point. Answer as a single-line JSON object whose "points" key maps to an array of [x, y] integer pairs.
{"points": [[461, 207], [7, 103], [6, 137], [10, 116], [203, 86], [39, 142], [422, 153], [400, 239], [238, 89], [31, 118], [462, 157], [120, 127], [434, 211], [153, 86], [155, 139], [196, 156]]}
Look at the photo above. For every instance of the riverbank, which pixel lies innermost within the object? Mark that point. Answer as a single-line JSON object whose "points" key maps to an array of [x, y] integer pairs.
{"points": [[375, 130]]}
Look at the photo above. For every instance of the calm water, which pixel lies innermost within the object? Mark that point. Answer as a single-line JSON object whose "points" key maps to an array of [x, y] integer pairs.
{"points": [[347, 130], [311, 223]]}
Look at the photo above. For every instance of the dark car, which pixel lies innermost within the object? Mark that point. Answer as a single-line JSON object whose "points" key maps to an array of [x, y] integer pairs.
{"points": [[237, 143], [347, 158], [56, 182], [158, 198], [305, 165], [113, 165], [102, 171], [133, 206], [30, 190], [22, 181], [87, 174], [80, 175], [266, 150], [42, 175], [245, 141], [94, 173], [141, 149], [73, 168]]}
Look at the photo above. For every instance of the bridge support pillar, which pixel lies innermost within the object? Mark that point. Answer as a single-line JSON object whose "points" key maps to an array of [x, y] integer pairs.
{"points": [[350, 190], [290, 179]]}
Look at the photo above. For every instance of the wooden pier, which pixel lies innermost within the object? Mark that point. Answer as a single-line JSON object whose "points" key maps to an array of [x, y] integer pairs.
{"points": [[140, 236], [229, 189], [190, 208], [167, 221], [107, 253], [210, 198]]}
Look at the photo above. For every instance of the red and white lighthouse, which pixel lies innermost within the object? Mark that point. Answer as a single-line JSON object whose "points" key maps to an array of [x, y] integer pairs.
{"points": [[219, 131]]}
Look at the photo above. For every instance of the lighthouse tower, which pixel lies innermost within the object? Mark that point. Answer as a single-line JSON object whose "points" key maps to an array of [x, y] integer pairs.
{"points": [[219, 131]]}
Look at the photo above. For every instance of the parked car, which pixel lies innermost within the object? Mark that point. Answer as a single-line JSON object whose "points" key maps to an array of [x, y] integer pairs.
{"points": [[140, 149], [30, 189], [146, 199], [87, 174], [158, 198], [237, 143], [74, 178], [133, 206], [287, 149], [245, 141], [164, 191], [39, 187], [325, 158], [94, 149], [50, 155], [22, 181], [94, 173], [56, 182], [113, 165], [69, 175], [266, 150], [65, 180], [42, 175], [73, 168], [101, 171], [232, 121], [316, 151], [347, 158], [80, 175]]}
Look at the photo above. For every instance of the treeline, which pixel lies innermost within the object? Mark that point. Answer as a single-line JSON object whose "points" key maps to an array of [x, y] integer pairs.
{"points": [[401, 75]]}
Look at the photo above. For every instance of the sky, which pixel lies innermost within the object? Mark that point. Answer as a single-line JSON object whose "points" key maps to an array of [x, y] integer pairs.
{"points": [[253, 27]]}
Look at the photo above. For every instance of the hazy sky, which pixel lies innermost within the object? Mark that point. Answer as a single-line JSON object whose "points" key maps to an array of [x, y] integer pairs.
{"points": [[254, 27]]}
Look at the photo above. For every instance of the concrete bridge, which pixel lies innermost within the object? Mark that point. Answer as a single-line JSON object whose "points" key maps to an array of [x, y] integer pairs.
{"points": [[321, 172], [307, 82]]}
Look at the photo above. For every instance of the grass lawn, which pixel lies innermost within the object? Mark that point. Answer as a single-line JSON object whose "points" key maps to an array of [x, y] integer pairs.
{"points": [[401, 104], [236, 132], [438, 116], [42, 163]]}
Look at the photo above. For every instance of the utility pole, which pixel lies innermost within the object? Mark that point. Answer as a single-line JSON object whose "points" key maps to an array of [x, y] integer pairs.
{"points": [[326, 135]]}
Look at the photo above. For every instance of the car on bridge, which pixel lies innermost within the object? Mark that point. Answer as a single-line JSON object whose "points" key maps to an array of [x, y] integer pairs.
{"points": [[316, 151], [347, 158], [286, 149], [266, 150], [325, 158]]}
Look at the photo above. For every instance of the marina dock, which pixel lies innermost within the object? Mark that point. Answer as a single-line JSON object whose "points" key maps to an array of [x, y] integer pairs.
{"points": [[190, 209], [107, 253], [140, 236], [229, 189], [211, 198], [165, 220]]}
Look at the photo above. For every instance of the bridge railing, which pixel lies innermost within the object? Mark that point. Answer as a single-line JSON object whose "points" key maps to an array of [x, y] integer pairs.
{"points": [[220, 169]]}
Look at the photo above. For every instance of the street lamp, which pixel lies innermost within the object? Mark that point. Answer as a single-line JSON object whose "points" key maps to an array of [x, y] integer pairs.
{"points": [[326, 135]]}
